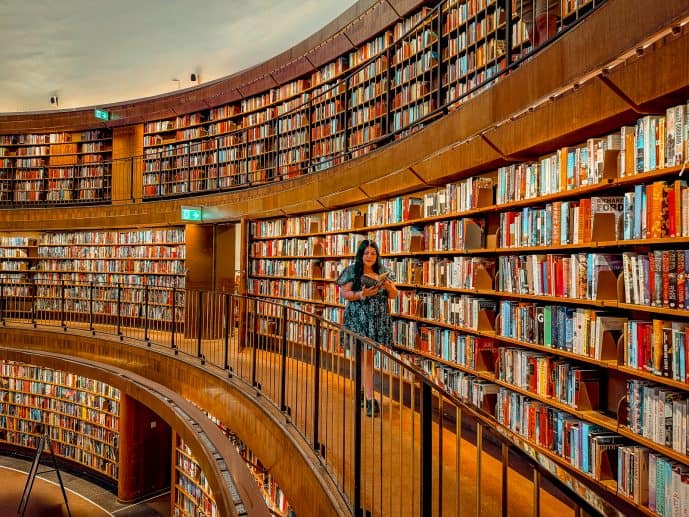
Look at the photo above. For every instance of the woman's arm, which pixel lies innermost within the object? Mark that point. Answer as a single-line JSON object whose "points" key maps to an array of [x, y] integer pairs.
{"points": [[352, 296]]}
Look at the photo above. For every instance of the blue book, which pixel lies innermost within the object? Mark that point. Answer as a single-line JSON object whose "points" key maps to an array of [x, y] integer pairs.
{"points": [[628, 216], [660, 485], [639, 191]]}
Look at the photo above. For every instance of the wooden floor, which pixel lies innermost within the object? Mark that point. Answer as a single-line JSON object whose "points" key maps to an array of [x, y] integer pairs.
{"points": [[45, 500], [466, 482]]}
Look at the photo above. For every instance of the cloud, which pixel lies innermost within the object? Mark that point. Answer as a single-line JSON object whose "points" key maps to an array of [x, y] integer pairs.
{"points": [[98, 51]]}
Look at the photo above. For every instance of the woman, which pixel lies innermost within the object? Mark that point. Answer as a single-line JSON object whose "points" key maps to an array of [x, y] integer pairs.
{"points": [[367, 287]]}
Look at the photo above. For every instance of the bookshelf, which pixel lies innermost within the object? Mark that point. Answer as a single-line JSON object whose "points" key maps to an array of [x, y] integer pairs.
{"points": [[551, 294], [82, 415], [474, 44], [56, 168], [191, 494], [178, 155], [270, 490]]}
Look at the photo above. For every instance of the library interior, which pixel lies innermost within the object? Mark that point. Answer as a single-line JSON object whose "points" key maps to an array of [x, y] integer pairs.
{"points": [[431, 260]]}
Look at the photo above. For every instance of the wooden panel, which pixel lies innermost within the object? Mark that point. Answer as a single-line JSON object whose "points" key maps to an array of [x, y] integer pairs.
{"points": [[655, 75], [199, 256], [255, 421], [403, 180], [298, 68], [127, 177], [591, 109], [375, 20], [225, 253], [347, 197], [457, 161], [260, 85], [144, 462], [324, 54]]}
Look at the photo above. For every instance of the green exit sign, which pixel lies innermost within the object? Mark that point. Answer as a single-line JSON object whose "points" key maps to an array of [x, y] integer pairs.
{"points": [[191, 213], [102, 115]]}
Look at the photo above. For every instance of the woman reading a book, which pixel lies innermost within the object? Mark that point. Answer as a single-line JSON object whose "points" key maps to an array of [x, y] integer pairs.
{"points": [[367, 286]]}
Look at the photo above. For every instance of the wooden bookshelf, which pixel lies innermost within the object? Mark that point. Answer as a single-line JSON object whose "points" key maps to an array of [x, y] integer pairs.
{"points": [[191, 494], [82, 415], [554, 288], [56, 168]]}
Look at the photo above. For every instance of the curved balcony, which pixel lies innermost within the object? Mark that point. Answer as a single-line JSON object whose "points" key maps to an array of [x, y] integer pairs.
{"points": [[289, 384]]}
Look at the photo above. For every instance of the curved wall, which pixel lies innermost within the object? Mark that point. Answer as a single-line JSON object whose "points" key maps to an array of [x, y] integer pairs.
{"points": [[542, 105], [356, 25], [131, 367]]}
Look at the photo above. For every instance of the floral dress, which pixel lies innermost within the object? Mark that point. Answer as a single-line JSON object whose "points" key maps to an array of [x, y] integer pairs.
{"points": [[369, 317]]}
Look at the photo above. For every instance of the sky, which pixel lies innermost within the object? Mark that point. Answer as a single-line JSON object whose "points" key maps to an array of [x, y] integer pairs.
{"points": [[91, 52]]}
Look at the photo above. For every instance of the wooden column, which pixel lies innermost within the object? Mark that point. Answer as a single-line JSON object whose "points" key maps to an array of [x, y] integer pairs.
{"points": [[145, 442], [127, 165]]}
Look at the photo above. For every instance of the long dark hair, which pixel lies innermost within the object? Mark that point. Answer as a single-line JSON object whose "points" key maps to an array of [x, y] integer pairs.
{"points": [[359, 262]]}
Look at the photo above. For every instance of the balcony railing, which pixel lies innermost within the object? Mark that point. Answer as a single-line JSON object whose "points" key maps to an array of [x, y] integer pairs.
{"points": [[428, 445]]}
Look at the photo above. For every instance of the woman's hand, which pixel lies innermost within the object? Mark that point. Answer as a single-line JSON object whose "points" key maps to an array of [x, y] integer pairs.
{"points": [[368, 292]]}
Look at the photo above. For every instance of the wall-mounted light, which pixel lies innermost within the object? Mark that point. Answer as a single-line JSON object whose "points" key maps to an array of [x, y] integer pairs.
{"points": [[177, 81], [195, 77], [55, 100]]}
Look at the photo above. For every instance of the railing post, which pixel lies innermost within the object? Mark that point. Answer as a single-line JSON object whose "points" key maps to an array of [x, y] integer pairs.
{"points": [[199, 328], [173, 316], [477, 470], [254, 339], [309, 148], [439, 51], [505, 477], [283, 361], [91, 306], [358, 399], [346, 117], [32, 294], [508, 32], [3, 300], [228, 321], [146, 313], [316, 383], [119, 309], [131, 178], [63, 323], [426, 451]]}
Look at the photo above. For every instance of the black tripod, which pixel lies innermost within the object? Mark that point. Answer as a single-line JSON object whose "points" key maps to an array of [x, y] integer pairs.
{"points": [[42, 442]]}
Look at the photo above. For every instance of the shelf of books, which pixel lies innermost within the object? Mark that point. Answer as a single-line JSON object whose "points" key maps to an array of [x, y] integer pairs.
{"points": [[414, 70], [110, 273], [551, 294], [178, 155], [81, 415], [328, 119], [191, 494], [56, 168], [345, 108], [271, 491], [473, 43]]}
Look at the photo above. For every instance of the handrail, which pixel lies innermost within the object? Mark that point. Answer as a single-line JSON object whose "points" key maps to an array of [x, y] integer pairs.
{"points": [[305, 366]]}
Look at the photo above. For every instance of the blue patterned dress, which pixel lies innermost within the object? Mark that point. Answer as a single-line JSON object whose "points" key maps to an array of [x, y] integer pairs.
{"points": [[369, 317]]}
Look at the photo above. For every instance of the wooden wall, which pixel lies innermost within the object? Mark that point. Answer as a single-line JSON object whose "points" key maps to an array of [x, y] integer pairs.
{"points": [[540, 106], [257, 423]]}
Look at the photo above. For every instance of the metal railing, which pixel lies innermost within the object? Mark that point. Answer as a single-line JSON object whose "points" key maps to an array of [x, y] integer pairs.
{"points": [[417, 448]]}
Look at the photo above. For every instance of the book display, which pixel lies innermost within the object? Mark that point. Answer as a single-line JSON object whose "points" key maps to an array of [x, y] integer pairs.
{"points": [[344, 109], [81, 414], [191, 494], [272, 493], [550, 294], [56, 168], [473, 43]]}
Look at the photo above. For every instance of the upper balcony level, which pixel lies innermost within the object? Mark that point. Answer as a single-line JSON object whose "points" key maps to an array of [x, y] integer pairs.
{"points": [[389, 97]]}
